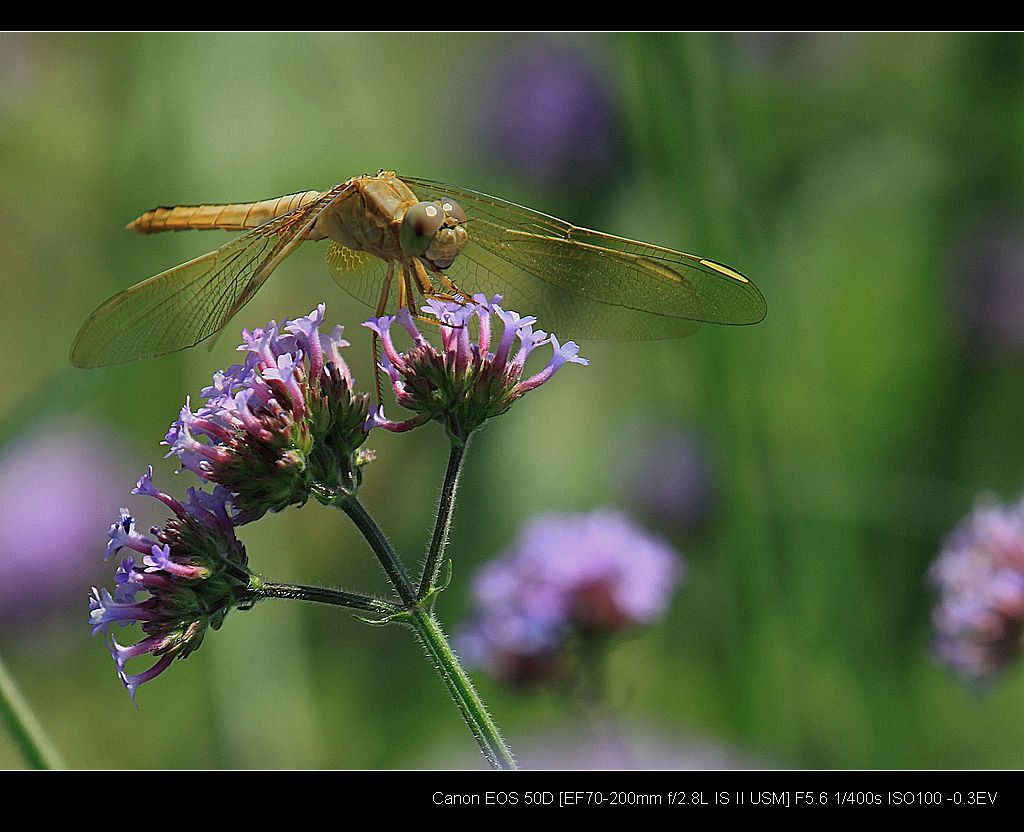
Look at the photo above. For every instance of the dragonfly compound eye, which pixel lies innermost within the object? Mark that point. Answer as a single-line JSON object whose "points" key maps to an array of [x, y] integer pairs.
{"points": [[453, 209], [420, 224]]}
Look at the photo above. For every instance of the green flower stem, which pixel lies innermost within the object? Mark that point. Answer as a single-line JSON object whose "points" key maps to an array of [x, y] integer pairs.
{"points": [[28, 734], [443, 524], [431, 636], [460, 686], [323, 595]]}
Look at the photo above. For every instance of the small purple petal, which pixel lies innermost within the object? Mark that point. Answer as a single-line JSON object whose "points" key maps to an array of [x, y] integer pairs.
{"points": [[377, 419], [307, 335], [132, 682], [562, 354], [123, 534]]}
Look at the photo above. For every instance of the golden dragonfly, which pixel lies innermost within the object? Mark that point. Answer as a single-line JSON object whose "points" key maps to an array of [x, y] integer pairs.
{"points": [[394, 240]]}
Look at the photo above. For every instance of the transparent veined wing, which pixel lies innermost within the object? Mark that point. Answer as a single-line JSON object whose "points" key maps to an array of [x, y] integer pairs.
{"points": [[586, 283], [187, 304], [357, 272]]}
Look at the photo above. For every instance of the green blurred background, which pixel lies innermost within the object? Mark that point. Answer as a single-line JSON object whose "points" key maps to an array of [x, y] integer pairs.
{"points": [[872, 187]]}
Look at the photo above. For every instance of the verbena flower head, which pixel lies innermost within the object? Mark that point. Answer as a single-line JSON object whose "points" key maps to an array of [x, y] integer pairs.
{"points": [[282, 423], [979, 616], [465, 382], [176, 582], [566, 574]]}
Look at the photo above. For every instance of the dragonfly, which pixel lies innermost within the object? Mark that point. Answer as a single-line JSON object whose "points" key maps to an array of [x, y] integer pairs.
{"points": [[395, 240]]}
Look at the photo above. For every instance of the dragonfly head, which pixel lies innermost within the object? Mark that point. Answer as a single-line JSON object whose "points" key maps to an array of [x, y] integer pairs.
{"points": [[434, 231]]}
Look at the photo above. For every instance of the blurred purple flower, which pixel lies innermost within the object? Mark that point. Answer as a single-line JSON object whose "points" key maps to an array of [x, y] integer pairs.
{"points": [[594, 574], [56, 487], [979, 616], [667, 479], [986, 276], [550, 113]]}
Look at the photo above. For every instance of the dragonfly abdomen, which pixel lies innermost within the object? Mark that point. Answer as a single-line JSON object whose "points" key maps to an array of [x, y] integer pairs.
{"points": [[235, 216]]}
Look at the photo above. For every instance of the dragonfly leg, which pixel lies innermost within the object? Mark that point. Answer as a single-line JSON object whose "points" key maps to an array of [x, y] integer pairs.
{"points": [[417, 273], [427, 288], [382, 305], [423, 319], [403, 289], [446, 297], [410, 295], [422, 279], [451, 286]]}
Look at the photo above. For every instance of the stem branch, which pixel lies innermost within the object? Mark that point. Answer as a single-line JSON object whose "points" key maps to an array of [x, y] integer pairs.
{"points": [[381, 548], [323, 595], [460, 686], [431, 636]]}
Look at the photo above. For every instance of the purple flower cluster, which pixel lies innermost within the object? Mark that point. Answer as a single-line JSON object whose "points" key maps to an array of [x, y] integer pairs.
{"points": [[280, 424], [276, 427], [283, 424], [464, 383], [566, 574], [190, 572], [979, 616]]}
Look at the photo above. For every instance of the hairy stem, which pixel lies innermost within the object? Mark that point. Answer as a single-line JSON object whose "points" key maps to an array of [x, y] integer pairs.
{"points": [[460, 686], [443, 524], [323, 595], [394, 567], [25, 729]]}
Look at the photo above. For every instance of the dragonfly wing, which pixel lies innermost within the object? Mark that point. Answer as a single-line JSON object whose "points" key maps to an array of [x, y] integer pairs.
{"points": [[540, 287], [588, 283], [357, 272], [182, 306]]}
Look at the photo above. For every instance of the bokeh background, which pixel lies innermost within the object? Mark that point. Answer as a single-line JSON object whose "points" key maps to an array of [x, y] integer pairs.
{"points": [[870, 184]]}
